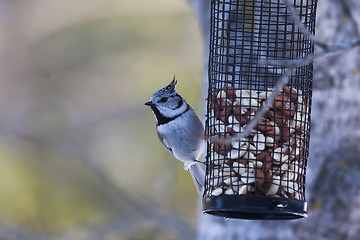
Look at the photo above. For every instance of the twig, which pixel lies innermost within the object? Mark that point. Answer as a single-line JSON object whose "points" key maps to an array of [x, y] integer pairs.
{"points": [[269, 101], [290, 65], [324, 46], [264, 108], [307, 59], [302, 27]]}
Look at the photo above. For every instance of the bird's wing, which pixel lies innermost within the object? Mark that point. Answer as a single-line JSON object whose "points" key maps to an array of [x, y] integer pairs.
{"points": [[164, 142]]}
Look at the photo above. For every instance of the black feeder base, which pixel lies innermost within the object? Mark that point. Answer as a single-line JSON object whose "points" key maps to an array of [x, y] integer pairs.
{"points": [[254, 207]]}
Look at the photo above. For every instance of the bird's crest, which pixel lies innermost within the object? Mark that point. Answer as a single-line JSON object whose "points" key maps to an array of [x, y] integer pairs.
{"points": [[172, 85]]}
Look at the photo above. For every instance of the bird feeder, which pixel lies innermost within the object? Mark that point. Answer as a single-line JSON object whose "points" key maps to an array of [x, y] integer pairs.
{"points": [[261, 175]]}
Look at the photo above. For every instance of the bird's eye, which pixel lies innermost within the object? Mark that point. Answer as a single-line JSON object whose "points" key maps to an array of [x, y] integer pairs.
{"points": [[164, 99]]}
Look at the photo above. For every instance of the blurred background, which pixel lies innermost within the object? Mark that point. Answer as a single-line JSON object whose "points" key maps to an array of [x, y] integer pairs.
{"points": [[79, 155]]}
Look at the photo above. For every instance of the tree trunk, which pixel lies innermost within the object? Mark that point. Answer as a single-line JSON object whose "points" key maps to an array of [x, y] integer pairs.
{"points": [[332, 185]]}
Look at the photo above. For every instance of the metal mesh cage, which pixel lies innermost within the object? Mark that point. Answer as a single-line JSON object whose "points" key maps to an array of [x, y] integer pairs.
{"points": [[261, 176]]}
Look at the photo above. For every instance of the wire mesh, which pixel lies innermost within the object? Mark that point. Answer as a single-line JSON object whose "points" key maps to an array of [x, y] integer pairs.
{"points": [[271, 161]]}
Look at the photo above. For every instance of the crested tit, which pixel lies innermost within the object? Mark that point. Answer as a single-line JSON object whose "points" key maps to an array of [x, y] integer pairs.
{"points": [[179, 129]]}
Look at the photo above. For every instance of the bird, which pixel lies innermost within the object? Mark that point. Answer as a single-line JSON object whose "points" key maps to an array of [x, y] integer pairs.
{"points": [[179, 130]]}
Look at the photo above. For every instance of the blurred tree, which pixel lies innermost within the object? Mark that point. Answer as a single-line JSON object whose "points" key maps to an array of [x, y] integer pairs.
{"points": [[79, 158]]}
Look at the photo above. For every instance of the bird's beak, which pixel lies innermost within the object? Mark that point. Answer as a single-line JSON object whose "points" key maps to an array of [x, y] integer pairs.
{"points": [[150, 104]]}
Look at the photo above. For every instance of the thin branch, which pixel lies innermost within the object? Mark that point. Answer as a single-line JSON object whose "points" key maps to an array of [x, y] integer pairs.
{"points": [[323, 45], [264, 108], [302, 27], [307, 59], [290, 65], [269, 101]]}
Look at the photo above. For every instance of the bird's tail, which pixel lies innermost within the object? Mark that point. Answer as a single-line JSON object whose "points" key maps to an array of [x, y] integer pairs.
{"points": [[198, 174]]}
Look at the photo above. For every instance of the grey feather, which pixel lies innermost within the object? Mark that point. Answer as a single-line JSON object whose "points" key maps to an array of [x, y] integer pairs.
{"points": [[183, 138], [198, 175]]}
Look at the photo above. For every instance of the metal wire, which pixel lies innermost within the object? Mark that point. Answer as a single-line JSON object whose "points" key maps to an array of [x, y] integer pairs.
{"points": [[271, 161]]}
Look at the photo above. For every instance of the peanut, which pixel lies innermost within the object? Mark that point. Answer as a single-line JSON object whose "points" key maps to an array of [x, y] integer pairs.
{"points": [[270, 160]]}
